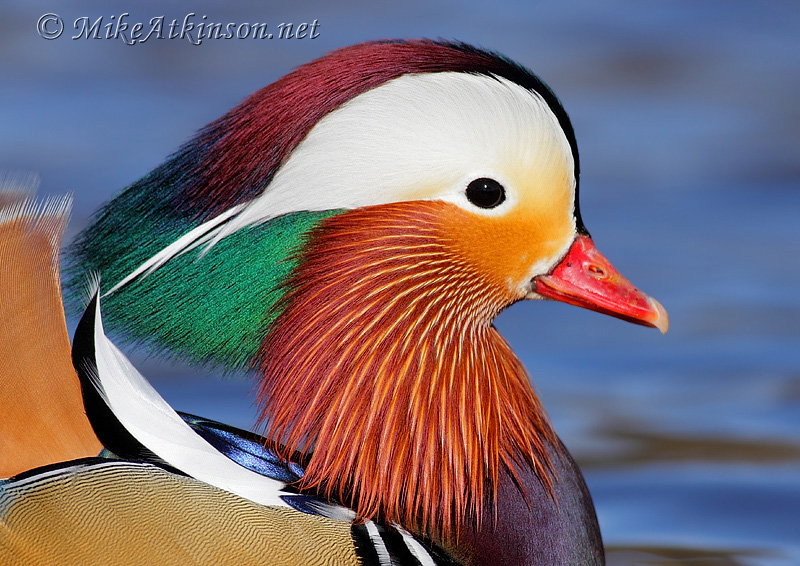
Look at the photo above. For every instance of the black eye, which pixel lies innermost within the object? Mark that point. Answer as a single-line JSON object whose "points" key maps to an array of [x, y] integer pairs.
{"points": [[486, 193]]}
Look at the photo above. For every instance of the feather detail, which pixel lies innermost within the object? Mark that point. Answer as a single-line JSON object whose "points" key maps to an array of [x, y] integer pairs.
{"points": [[147, 417], [185, 243], [210, 309], [385, 363], [42, 419]]}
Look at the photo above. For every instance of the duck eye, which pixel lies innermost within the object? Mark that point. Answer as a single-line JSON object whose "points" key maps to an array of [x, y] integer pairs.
{"points": [[485, 193]]}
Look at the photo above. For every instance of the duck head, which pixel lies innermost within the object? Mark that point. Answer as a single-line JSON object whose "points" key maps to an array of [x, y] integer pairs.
{"points": [[349, 233]]}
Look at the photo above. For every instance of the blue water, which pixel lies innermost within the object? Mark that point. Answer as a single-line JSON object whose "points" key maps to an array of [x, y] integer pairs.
{"points": [[688, 125]]}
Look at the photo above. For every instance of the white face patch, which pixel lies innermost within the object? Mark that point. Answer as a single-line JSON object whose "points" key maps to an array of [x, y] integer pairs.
{"points": [[417, 137]]}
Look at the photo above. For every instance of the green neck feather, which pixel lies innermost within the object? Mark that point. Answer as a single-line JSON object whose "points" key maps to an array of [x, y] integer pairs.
{"points": [[215, 309]]}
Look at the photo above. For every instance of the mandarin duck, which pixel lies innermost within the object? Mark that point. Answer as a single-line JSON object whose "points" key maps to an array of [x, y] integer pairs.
{"points": [[347, 234]]}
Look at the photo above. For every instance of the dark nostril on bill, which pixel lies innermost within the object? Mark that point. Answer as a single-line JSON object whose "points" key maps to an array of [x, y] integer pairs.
{"points": [[597, 271]]}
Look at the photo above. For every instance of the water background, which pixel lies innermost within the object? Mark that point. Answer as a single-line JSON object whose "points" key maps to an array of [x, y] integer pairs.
{"points": [[688, 121]]}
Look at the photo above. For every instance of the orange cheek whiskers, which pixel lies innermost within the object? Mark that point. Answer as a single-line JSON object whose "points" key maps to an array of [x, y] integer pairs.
{"points": [[395, 377]]}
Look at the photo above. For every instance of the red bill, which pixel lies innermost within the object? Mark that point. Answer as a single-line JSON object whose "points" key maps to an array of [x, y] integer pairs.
{"points": [[585, 278]]}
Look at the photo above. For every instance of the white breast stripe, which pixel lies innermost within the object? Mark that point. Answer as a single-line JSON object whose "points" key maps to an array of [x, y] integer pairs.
{"points": [[377, 541], [419, 552]]}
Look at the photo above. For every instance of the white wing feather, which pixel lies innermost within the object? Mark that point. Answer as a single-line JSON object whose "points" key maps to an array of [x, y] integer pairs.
{"points": [[150, 419]]}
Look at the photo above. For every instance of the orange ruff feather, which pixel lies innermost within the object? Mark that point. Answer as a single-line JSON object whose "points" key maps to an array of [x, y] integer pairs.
{"points": [[385, 363]]}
